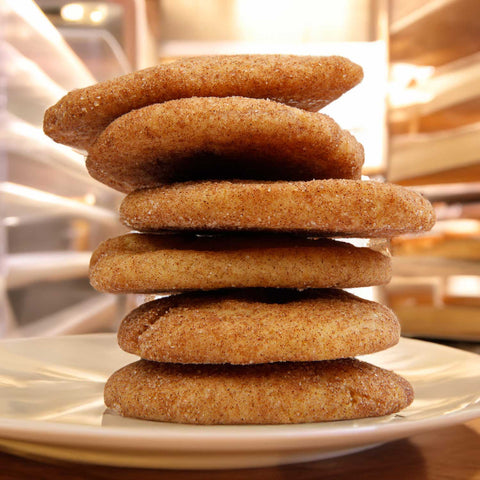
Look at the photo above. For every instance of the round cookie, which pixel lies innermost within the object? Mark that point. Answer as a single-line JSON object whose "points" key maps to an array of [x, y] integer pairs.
{"points": [[305, 82], [215, 138], [258, 326], [139, 263], [341, 208], [272, 393]]}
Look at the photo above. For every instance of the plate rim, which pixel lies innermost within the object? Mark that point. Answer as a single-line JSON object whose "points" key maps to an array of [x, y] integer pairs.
{"points": [[62, 434], [238, 438]]}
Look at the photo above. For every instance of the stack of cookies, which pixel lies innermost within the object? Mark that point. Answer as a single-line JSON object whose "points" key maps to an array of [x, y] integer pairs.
{"points": [[238, 186]]}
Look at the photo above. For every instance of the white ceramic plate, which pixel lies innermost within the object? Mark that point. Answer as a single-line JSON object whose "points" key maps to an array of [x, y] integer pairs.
{"points": [[51, 405]]}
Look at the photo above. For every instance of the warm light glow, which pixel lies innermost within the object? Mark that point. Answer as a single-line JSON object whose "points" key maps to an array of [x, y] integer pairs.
{"points": [[11, 221], [299, 21], [405, 84], [459, 226], [40, 198], [406, 73], [89, 199], [98, 15], [72, 12], [463, 285], [31, 193]]}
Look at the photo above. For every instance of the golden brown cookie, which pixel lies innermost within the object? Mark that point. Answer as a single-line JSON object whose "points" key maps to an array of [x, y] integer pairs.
{"points": [[341, 208], [138, 263], [305, 82], [271, 393], [258, 326], [215, 138]]}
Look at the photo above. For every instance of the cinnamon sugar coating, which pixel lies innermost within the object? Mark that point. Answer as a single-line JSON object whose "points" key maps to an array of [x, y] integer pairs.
{"points": [[305, 82], [271, 393], [141, 263], [336, 208], [215, 138], [258, 326]]}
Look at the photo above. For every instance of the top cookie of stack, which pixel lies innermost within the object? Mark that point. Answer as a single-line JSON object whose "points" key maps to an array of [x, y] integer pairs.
{"points": [[223, 146], [308, 83]]}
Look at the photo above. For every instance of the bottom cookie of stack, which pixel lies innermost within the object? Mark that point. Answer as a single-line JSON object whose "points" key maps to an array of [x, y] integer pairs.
{"points": [[271, 393], [257, 356]]}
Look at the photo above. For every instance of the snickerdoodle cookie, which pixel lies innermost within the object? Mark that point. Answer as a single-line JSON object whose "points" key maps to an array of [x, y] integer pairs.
{"points": [[271, 393], [221, 138], [340, 208], [142, 263], [305, 82], [258, 326]]}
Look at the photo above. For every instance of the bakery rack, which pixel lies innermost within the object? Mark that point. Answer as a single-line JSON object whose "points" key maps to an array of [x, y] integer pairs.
{"points": [[53, 212], [434, 124]]}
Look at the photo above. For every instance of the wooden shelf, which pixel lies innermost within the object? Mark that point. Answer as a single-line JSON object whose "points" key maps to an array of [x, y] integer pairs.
{"points": [[418, 266], [27, 268], [95, 314], [459, 247], [453, 322], [436, 32], [453, 94], [442, 157], [470, 173], [26, 205], [455, 116], [435, 139]]}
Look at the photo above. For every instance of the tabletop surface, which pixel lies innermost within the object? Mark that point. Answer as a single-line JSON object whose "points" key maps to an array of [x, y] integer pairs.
{"points": [[448, 453]]}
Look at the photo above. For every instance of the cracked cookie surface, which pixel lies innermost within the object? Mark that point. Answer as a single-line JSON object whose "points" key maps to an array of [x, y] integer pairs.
{"points": [[273, 393], [258, 326]]}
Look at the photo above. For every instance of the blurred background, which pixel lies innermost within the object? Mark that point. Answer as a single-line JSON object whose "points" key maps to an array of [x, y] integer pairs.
{"points": [[417, 114]]}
